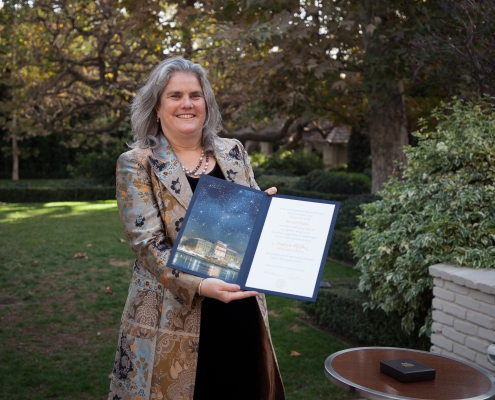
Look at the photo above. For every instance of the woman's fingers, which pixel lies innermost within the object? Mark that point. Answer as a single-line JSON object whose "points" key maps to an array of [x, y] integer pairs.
{"points": [[223, 291], [271, 191]]}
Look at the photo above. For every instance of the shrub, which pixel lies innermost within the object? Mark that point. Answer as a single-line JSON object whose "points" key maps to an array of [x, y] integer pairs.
{"points": [[313, 195], [98, 167], [334, 182], [279, 181], [257, 159], [351, 209], [358, 152], [339, 308], [340, 248], [347, 220], [444, 211], [293, 162]]}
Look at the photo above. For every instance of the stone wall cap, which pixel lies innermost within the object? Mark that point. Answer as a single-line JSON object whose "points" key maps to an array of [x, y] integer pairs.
{"points": [[482, 279]]}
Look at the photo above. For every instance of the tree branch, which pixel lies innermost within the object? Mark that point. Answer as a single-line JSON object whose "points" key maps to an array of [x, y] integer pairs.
{"points": [[268, 134]]}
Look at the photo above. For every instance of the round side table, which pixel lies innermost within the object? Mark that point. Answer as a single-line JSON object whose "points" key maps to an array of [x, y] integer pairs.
{"points": [[358, 371]]}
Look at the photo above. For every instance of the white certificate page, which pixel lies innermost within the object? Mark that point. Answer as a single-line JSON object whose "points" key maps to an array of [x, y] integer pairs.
{"points": [[291, 246]]}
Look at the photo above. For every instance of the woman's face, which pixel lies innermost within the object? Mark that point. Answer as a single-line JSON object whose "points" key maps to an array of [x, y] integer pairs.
{"points": [[182, 109]]}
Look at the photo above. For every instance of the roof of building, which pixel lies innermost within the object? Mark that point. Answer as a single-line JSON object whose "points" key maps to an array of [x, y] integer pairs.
{"points": [[331, 134]]}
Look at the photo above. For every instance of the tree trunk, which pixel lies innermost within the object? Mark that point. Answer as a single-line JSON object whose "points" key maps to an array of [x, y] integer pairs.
{"points": [[388, 135], [15, 160]]}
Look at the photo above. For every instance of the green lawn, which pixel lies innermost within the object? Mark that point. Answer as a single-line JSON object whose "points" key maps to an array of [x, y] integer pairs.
{"points": [[59, 326]]}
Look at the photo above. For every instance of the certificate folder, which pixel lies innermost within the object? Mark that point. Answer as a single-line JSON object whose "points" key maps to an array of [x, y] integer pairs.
{"points": [[271, 244]]}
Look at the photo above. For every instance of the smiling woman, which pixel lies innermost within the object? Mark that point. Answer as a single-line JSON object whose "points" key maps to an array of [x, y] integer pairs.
{"points": [[182, 109], [183, 336]]}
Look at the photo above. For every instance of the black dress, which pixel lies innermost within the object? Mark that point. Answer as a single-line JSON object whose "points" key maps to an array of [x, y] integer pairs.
{"points": [[229, 345]]}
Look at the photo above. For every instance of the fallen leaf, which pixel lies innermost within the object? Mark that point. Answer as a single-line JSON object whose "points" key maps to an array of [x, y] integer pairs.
{"points": [[121, 240], [88, 245], [108, 290], [118, 263], [79, 255], [294, 353]]}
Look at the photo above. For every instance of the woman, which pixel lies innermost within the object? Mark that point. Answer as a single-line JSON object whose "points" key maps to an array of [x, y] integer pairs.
{"points": [[183, 337]]}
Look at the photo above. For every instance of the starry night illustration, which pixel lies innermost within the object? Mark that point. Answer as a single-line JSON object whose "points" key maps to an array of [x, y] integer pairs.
{"points": [[218, 230]]}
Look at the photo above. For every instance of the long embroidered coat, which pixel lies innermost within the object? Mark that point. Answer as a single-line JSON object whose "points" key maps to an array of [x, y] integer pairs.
{"points": [[157, 350]]}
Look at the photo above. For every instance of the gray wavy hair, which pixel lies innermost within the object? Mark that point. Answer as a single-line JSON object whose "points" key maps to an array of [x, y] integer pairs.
{"points": [[144, 123]]}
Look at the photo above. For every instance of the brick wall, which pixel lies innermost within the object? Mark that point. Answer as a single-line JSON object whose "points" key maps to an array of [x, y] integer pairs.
{"points": [[463, 313]]}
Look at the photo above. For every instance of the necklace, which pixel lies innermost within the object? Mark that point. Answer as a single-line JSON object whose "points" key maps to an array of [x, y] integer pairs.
{"points": [[194, 171]]}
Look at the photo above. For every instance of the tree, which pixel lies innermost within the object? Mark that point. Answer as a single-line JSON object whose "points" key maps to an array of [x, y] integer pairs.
{"points": [[354, 60], [442, 212], [10, 17], [72, 67]]}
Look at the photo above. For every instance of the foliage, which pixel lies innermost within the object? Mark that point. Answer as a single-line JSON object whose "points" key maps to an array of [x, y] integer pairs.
{"points": [[266, 181], [313, 195], [350, 210], [444, 211], [347, 220], [339, 308], [77, 63], [334, 182], [98, 167], [357, 62], [40, 157], [358, 152], [291, 162], [340, 249]]}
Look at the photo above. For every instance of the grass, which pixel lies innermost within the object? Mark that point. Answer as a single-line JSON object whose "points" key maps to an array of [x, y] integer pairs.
{"points": [[59, 325], [303, 375]]}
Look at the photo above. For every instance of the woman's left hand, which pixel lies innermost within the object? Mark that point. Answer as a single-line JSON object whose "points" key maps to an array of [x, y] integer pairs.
{"points": [[271, 191]]}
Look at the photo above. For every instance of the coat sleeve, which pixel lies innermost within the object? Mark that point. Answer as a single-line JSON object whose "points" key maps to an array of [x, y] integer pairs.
{"points": [[247, 163], [145, 229]]}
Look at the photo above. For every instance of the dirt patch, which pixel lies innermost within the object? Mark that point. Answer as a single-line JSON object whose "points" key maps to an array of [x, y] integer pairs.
{"points": [[45, 329], [9, 301], [273, 313], [119, 263]]}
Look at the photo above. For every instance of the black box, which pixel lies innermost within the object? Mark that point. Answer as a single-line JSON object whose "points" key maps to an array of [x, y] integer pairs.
{"points": [[407, 370]]}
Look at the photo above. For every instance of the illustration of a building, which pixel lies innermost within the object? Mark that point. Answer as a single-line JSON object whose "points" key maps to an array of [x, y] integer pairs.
{"points": [[200, 246], [220, 250], [233, 258], [217, 252]]}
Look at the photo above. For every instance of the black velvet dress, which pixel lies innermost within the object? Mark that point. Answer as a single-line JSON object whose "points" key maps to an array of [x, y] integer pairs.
{"points": [[229, 345]]}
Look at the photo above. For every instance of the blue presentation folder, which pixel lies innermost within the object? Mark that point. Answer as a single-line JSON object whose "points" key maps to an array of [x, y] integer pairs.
{"points": [[221, 232]]}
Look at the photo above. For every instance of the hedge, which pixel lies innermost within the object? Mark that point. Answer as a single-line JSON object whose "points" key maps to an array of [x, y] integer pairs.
{"points": [[266, 181], [334, 182], [340, 309], [347, 220], [340, 249], [50, 194], [312, 195]]}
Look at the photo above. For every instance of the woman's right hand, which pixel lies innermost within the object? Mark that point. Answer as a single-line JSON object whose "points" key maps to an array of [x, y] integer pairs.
{"points": [[223, 291]]}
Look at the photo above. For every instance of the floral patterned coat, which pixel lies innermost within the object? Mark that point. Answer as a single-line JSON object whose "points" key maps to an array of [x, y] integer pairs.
{"points": [[157, 350]]}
